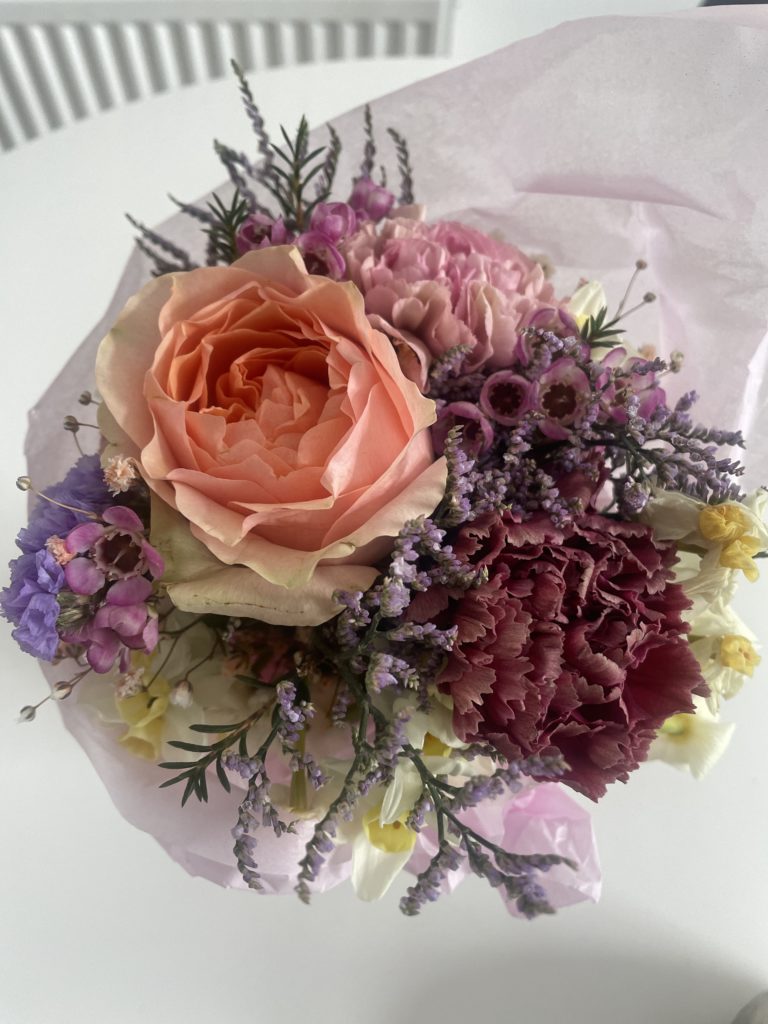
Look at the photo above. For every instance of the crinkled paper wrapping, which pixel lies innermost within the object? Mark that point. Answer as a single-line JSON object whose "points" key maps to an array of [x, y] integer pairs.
{"points": [[596, 143]]}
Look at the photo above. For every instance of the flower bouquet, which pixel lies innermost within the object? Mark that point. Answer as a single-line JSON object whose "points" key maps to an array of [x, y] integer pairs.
{"points": [[382, 545]]}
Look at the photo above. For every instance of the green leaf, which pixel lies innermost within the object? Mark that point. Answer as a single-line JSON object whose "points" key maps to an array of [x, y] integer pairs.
{"points": [[205, 727], [222, 775], [189, 790], [196, 748], [202, 788], [176, 778]]}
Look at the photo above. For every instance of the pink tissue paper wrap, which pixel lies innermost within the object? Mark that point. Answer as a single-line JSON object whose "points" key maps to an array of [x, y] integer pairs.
{"points": [[596, 143]]}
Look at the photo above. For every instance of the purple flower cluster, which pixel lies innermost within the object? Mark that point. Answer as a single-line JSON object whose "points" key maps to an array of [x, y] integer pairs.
{"points": [[110, 574], [329, 225], [548, 432], [85, 575], [30, 602]]}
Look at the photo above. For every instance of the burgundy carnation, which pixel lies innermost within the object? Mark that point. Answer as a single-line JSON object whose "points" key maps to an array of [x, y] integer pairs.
{"points": [[574, 643]]}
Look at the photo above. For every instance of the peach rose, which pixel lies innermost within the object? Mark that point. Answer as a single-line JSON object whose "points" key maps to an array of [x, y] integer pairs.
{"points": [[266, 411]]}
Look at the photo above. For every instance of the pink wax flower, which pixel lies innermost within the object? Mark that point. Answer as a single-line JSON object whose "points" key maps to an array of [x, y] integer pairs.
{"points": [[259, 231], [506, 397], [333, 220], [641, 390], [477, 431], [435, 286], [112, 563], [123, 623], [371, 201], [111, 550], [320, 254], [574, 643], [564, 398]]}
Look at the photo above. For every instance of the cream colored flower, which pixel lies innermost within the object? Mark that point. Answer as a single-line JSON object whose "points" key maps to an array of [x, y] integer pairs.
{"points": [[726, 650], [715, 542], [587, 301], [692, 743]]}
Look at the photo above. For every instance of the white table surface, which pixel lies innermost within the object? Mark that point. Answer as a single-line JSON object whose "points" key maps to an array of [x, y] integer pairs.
{"points": [[97, 924]]}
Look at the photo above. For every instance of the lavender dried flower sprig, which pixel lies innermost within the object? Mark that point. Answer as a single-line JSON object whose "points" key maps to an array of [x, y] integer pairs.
{"points": [[515, 873], [256, 810]]}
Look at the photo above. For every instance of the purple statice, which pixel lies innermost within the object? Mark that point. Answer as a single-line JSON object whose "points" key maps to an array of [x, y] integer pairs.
{"points": [[430, 884], [315, 853], [306, 763], [385, 670], [82, 488], [508, 778], [417, 818], [343, 700], [30, 602], [515, 874], [294, 714], [458, 486], [256, 810]]}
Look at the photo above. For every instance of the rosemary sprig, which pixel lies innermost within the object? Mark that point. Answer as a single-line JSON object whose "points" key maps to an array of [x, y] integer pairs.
{"points": [[194, 773], [598, 331], [227, 221]]}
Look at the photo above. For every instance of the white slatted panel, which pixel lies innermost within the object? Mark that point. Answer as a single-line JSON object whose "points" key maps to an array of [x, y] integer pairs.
{"points": [[61, 62]]}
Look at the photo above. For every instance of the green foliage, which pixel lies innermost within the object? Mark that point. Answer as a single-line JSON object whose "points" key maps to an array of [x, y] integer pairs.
{"points": [[193, 773], [290, 174], [596, 331], [222, 231]]}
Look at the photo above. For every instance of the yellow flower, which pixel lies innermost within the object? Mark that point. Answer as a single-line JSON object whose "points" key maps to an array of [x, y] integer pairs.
{"points": [[393, 838], [723, 523], [144, 715], [739, 554], [737, 652], [433, 747]]}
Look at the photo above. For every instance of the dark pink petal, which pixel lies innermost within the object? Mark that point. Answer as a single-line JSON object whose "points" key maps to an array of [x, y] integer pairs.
{"points": [[83, 577], [154, 560], [124, 518], [135, 590], [125, 621], [151, 634], [102, 650], [83, 537]]}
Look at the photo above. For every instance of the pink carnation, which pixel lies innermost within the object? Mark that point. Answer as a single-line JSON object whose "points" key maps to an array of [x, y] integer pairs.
{"points": [[574, 643], [434, 286]]}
